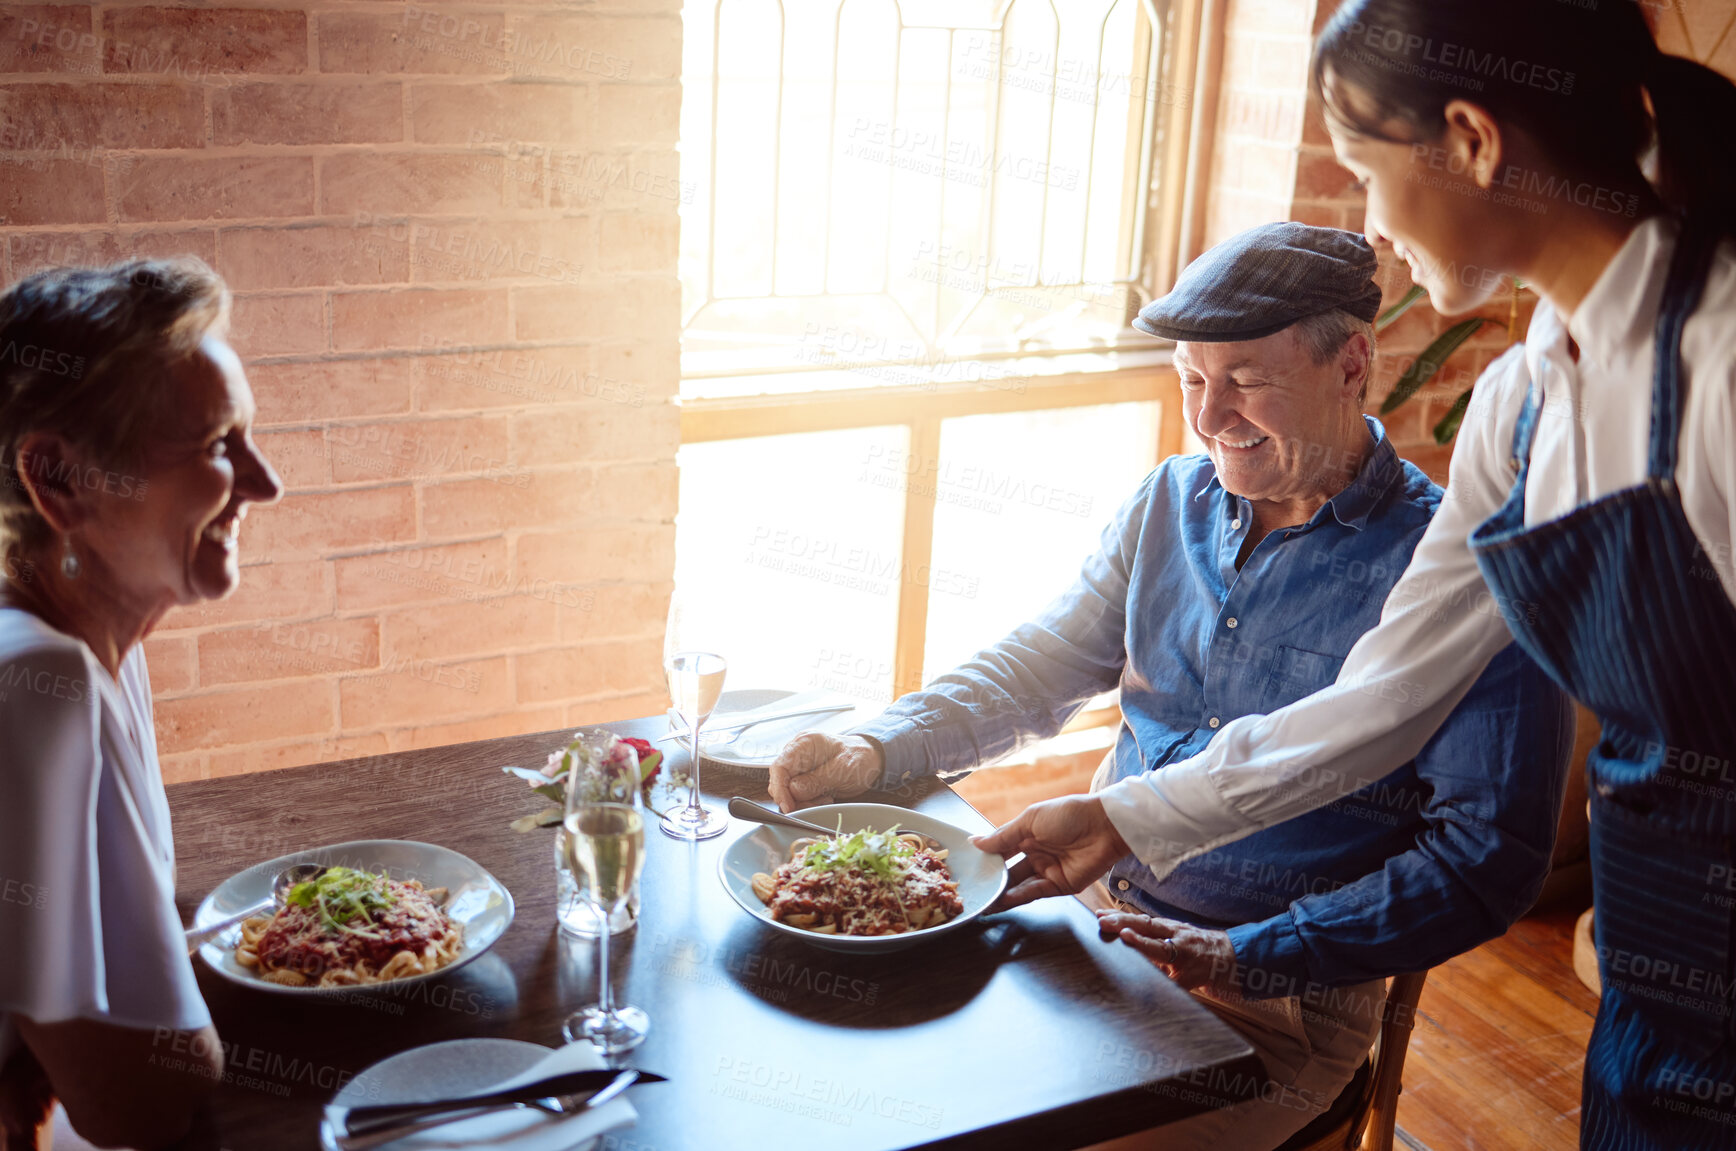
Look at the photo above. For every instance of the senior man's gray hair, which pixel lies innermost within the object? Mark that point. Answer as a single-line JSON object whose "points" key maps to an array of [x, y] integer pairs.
{"points": [[1324, 334]]}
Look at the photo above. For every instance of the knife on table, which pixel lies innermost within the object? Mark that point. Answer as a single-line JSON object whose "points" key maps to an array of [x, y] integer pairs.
{"points": [[374, 1124]]}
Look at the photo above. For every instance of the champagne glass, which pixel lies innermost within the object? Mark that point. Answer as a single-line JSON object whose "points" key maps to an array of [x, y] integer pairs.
{"points": [[695, 682], [605, 826], [696, 674]]}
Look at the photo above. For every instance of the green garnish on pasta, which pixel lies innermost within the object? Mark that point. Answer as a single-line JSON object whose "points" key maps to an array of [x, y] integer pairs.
{"points": [[343, 894], [880, 852]]}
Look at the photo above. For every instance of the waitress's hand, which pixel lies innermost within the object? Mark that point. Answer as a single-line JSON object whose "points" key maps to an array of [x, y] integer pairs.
{"points": [[1195, 957], [818, 768], [1069, 844]]}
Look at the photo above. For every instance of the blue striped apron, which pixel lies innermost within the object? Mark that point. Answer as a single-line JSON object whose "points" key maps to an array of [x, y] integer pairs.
{"points": [[1619, 603]]}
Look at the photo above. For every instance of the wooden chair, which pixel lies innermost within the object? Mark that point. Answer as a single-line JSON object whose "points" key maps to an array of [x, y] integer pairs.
{"points": [[1363, 1115]]}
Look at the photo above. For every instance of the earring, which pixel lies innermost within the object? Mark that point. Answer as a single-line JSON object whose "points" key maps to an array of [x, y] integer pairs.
{"points": [[69, 565]]}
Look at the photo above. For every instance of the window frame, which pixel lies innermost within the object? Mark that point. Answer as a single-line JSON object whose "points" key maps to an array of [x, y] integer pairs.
{"points": [[1139, 371]]}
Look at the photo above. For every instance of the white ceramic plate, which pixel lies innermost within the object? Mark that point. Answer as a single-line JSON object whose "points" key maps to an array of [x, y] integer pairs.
{"points": [[981, 877], [759, 745], [476, 899], [469, 1066]]}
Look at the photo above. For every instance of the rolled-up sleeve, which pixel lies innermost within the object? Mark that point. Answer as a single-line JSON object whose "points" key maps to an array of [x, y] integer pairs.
{"points": [[1029, 684], [1497, 770]]}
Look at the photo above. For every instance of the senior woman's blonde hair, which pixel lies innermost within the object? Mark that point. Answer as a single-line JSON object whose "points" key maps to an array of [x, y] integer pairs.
{"points": [[85, 354]]}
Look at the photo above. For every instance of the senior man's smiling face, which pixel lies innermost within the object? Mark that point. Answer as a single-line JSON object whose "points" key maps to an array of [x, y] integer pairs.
{"points": [[1281, 429]]}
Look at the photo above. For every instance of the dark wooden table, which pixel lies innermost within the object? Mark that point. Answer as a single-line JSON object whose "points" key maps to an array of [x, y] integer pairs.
{"points": [[1023, 1032]]}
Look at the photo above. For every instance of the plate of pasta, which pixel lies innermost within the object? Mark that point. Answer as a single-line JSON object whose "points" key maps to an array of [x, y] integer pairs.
{"points": [[889, 879], [385, 911]]}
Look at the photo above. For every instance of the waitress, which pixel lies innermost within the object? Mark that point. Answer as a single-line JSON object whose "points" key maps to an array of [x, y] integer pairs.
{"points": [[1590, 513]]}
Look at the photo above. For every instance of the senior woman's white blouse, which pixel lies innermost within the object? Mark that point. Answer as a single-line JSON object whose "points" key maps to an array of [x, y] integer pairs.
{"points": [[88, 928], [1440, 627]]}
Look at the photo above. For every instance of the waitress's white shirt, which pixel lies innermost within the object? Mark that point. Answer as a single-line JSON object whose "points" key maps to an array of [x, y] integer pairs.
{"points": [[88, 927], [1440, 625]]}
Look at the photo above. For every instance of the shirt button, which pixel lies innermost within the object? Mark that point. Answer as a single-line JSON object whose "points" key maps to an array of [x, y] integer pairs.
{"points": [[1121, 885], [1231, 622], [1212, 722], [1236, 523]]}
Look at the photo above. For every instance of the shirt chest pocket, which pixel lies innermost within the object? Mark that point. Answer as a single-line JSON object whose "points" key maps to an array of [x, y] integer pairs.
{"points": [[1297, 672]]}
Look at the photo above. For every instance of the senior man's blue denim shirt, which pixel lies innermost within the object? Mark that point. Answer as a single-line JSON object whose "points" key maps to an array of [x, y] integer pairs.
{"points": [[1435, 858]]}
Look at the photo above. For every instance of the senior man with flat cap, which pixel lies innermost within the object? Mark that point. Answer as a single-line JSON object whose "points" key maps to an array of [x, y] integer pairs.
{"points": [[1232, 583]]}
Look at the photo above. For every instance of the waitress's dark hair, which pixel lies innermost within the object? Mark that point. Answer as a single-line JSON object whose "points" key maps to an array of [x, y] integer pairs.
{"points": [[1575, 75]]}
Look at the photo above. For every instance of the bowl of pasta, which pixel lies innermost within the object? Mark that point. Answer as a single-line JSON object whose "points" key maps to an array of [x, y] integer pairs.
{"points": [[889, 878], [384, 912]]}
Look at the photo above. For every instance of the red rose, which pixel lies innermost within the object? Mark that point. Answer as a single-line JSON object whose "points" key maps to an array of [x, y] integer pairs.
{"points": [[650, 759]]}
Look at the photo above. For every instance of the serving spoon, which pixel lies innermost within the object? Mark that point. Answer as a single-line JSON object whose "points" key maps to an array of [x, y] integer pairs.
{"points": [[287, 878]]}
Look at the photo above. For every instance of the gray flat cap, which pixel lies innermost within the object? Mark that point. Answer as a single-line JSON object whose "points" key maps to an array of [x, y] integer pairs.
{"points": [[1263, 280]]}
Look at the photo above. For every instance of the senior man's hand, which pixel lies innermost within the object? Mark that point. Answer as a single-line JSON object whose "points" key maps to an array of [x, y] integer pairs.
{"points": [[1069, 843], [818, 768], [1195, 957]]}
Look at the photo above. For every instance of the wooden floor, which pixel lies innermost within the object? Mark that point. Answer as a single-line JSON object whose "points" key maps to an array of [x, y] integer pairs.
{"points": [[1500, 1039]]}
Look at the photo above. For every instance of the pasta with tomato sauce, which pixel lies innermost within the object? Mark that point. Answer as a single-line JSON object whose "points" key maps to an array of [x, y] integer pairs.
{"points": [[350, 928], [864, 883]]}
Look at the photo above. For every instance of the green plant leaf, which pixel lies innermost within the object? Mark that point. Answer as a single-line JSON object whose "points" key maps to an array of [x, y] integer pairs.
{"points": [[1385, 319], [1424, 367], [1449, 425]]}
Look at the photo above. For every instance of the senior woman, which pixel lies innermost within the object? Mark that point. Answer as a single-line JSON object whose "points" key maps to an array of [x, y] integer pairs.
{"points": [[126, 466]]}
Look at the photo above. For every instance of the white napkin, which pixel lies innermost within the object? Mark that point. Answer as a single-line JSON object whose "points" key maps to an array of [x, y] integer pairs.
{"points": [[399, 1080]]}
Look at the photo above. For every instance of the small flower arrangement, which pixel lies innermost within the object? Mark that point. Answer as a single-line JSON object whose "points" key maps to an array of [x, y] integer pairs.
{"points": [[622, 762]]}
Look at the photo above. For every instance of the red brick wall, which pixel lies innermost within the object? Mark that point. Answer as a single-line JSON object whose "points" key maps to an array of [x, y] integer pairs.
{"points": [[451, 234]]}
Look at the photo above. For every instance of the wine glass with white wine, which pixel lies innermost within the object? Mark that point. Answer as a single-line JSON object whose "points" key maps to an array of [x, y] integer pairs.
{"points": [[605, 826], [695, 682]]}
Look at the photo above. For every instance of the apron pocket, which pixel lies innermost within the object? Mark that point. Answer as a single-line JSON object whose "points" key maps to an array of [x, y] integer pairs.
{"points": [[1663, 924]]}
